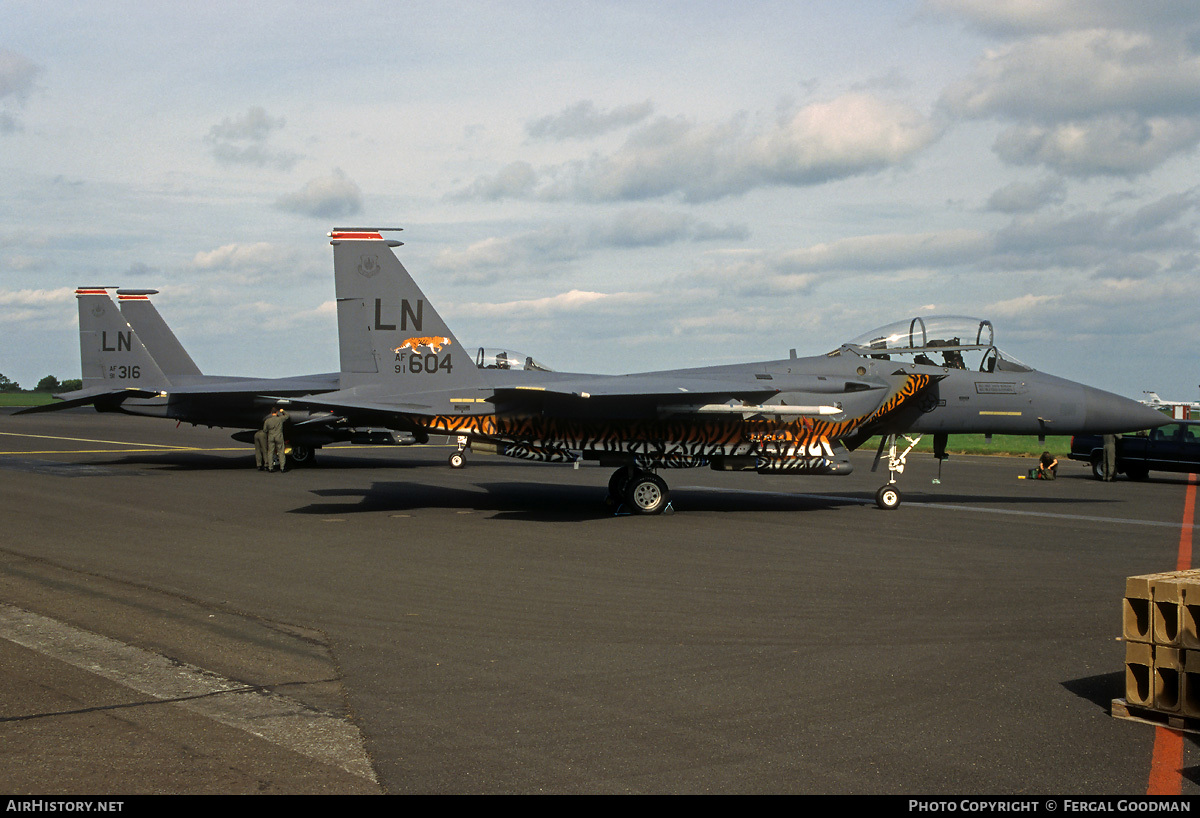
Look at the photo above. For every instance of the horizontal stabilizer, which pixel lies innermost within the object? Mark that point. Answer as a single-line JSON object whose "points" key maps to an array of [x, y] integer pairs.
{"points": [[110, 397], [258, 386]]}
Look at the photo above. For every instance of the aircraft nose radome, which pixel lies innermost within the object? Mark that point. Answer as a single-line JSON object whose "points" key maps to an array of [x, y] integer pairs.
{"points": [[1107, 413]]}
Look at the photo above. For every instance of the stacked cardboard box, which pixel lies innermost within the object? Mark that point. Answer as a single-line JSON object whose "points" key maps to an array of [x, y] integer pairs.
{"points": [[1162, 642]]}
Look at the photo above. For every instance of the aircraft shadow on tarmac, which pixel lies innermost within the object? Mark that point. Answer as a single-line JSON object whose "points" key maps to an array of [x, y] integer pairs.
{"points": [[547, 502], [1018, 500], [232, 461], [534, 501]]}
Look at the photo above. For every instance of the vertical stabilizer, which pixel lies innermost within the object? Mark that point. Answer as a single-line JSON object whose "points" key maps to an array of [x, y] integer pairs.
{"points": [[388, 333], [155, 335], [111, 354]]}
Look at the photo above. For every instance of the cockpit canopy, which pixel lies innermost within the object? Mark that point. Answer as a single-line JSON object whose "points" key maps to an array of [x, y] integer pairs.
{"points": [[495, 358], [951, 341]]}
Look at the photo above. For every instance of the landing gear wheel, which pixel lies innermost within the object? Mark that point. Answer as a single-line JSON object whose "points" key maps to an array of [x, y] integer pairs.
{"points": [[302, 456], [888, 497], [457, 460], [647, 494], [617, 484]]}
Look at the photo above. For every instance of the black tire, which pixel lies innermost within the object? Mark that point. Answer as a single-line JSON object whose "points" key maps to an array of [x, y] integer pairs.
{"points": [[457, 460], [647, 494], [888, 497], [1098, 467], [302, 455], [618, 483]]}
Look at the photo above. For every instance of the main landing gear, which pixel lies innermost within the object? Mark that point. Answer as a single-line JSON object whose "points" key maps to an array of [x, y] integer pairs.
{"points": [[301, 455], [888, 496], [638, 491]]}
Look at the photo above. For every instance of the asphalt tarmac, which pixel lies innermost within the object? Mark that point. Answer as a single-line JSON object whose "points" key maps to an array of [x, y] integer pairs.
{"points": [[174, 621]]}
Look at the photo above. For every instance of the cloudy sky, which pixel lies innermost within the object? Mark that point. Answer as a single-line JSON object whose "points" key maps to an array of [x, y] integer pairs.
{"points": [[612, 186]]}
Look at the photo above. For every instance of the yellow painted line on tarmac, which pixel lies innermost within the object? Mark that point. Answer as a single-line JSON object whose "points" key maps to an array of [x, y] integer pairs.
{"points": [[126, 451], [160, 448], [392, 446], [92, 440]]}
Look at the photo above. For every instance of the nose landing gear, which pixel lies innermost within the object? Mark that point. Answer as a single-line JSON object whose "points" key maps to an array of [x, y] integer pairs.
{"points": [[458, 458], [888, 496]]}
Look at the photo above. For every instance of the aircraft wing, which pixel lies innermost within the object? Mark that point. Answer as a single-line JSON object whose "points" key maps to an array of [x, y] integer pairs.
{"points": [[255, 386], [724, 393], [633, 395], [92, 396], [672, 388]]}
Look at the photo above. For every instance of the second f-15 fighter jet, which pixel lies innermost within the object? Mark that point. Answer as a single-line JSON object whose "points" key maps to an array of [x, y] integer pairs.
{"points": [[133, 363]]}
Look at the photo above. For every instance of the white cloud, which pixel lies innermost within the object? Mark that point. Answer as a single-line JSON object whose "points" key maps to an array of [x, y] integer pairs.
{"points": [[490, 252], [1022, 306], [568, 302], [1087, 101], [326, 197], [1118, 144], [655, 227], [1026, 197], [54, 297], [1089, 239], [514, 180], [1080, 74], [525, 255], [17, 77], [243, 140], [541, 252], [1032, 16], [583, 120], [41, 307], [239, 257], [892, 252], [853, 134]]}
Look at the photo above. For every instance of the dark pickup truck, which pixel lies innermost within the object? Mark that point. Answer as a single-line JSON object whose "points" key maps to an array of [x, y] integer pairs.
{"points": [[1174, 447]]}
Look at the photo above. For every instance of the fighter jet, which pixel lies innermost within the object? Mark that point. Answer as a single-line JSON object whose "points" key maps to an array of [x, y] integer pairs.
{"points": [[402, 367], [133, 363]]}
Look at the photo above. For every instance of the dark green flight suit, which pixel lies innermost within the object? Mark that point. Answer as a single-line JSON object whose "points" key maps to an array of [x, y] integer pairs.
{"points": [[273, 426]]}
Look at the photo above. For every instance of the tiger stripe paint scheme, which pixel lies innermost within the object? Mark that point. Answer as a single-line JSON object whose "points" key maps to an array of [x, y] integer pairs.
{"points": [[682, 442]]}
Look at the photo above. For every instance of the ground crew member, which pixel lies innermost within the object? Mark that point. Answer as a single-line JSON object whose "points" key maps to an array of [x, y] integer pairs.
{"points": [[1047, 467], [273, 426], [1110, 457], [260, 450]]}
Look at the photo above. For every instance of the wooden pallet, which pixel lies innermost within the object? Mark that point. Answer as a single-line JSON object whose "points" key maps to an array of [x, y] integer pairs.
{"points": [[1121, 709]]}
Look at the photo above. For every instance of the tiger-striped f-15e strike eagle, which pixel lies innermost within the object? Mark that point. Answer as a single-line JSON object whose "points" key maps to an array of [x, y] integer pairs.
{"points": [[402, 367]]}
